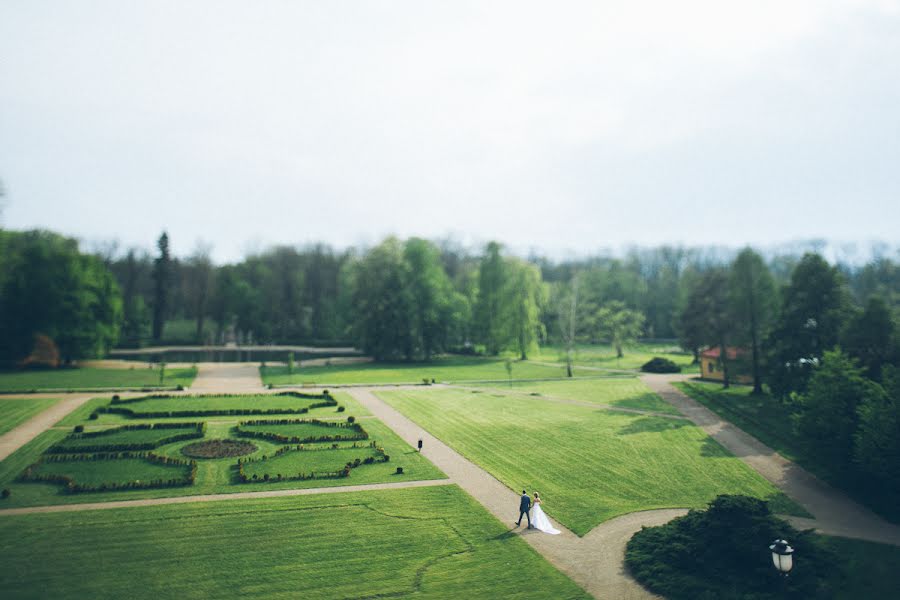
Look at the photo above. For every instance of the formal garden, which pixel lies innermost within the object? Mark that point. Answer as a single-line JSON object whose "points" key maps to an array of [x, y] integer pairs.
{"points": [[113, 448]]}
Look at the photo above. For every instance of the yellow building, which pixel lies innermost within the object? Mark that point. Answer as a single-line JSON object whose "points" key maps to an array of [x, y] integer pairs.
{"points": [[711, 365]]}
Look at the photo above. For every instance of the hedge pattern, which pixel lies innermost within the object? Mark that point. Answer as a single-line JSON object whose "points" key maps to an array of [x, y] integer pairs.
{"points": [[115, 407], [198, 430], [354, 431], [345, 472], [73, 487]]}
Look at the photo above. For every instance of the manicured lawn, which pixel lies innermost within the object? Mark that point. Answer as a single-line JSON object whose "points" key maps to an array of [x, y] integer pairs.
{"points": [[213, 404], [91, 378], [97, 472], [626, 393], [124, 436], [310, 461], [604, 355], [215, 476], [589, 465], [427, 542], [303, 430], [15, 411], [441, 370]]}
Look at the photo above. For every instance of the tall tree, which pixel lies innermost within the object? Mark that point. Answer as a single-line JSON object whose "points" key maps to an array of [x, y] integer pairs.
{"points": [[813, 310], [432, 298], [567, 311], [869, 337], [523, 300], [199, 269], [707, 315], [877, 447], [492, 326], [162, 275], [753, 305], [618, 324]]}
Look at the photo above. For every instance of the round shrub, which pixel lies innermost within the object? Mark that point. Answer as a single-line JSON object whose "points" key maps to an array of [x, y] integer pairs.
{"points": [[399, 471], [79, 428], [660, 365], [179, 387], [351, 419], [5, 493], [116, 398], [340, 409]]}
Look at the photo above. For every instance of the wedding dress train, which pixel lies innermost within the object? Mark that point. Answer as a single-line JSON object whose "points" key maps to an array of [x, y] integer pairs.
{"points": [[540, 521]]}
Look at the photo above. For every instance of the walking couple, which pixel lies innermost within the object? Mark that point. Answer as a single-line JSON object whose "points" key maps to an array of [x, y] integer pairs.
{"points": [[540, 520]]}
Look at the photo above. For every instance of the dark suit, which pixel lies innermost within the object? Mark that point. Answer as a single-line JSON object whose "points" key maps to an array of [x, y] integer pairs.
{"points": [[524, 507]]}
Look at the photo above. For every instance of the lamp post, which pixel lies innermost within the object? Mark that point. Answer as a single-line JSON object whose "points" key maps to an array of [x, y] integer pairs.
{"points": [[781, 556]]}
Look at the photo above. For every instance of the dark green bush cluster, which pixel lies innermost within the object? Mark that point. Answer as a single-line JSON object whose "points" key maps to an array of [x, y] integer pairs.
{"points": [[723, 552], [196, 430], [660, 365], [354, 431], [73, 487]]}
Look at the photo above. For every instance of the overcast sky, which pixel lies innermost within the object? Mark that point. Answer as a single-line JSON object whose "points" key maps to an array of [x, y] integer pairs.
{"points": [[564, 126]]}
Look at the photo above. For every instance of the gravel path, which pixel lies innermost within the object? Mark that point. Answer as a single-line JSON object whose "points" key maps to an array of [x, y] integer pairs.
{"points": [[227, 378], [834, 512], [16, 438]]}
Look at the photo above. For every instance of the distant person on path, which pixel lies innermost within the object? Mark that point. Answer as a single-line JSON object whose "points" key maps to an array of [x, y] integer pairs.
{"points": [[524, 507], [541, 522], [420, 444]]}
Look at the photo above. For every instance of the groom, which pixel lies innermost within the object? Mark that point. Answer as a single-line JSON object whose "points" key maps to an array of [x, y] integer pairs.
{"points": [[524, 508]]}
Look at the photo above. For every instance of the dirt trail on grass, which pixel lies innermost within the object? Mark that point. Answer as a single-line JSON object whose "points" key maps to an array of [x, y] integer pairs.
{"points": [[227, 378], [216, 497], [595, 561], [834, 512], [30, 429]]}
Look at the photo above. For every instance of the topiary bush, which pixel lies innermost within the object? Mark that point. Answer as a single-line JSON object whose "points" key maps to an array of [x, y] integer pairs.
{"points": [[723, 552], [5, 493], [658, 364]]}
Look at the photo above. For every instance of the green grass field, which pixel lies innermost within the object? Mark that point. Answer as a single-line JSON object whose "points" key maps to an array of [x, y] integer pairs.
{"points": [[110, 471], [589, 465], [427, 542], [442, 370], [625, 393], [124, 436], [15, 411], [214, 476], [310, 461], [302, 430], [604, 356], [91, 378]]}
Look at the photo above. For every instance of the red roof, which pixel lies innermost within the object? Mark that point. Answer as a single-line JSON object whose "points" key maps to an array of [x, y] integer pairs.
{"points": [[732, 352]]}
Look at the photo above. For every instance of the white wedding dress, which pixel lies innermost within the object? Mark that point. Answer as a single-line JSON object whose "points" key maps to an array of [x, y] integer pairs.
{"points": [[540, 521]]}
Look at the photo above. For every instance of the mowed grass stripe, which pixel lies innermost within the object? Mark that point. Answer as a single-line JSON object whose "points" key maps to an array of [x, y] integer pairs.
{"points": [[15, 411], [435, 542], [589, 465]]}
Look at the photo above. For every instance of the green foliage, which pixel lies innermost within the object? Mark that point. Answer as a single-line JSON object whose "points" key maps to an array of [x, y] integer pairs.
{"points": [[427, 543], [813, 311], [589, 464], [111, 471], [753, 306], [618, 324], [301, 431], [660, 365], [828, 418], [128, 437], [869, 337], [877, 448], [163, 406], [50, 288], [707, 318], [723, 553], [89, 378], [162, 275]]}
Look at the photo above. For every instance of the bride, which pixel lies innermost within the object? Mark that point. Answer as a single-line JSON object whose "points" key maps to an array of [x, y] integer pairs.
{"points": [[538, 519]]}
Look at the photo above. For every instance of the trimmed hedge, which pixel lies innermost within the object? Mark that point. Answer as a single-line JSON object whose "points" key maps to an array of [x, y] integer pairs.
{"points": [[357, 432], [198, 430], [73, 487], [115, 407], [345, 472], [660, 365]]}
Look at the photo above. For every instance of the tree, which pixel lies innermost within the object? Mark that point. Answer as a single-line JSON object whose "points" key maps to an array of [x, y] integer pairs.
{"points": [[869, 337], [199, 286], [523, 299], [814, 307], [877, 448], [707, 317], [433, 300], [828, 418], [162, 274], [690, 323], [492, 327], [567, 308], [618, 324], [753, 306], [50, 288]]}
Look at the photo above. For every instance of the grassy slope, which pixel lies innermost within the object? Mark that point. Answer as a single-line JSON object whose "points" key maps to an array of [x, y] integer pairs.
{"points": [[15, 411], [442, 370], [627, 393], [590, 465], [436, 542], [213, 476], [88, 378], [603, 355]]}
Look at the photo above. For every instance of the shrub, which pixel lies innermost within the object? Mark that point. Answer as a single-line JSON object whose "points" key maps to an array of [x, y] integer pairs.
{"points": [[399, 471], [340, 409], [116, 398], [5, 493], [660, 365], [79, 428], [351, 419], [179, 387]]}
